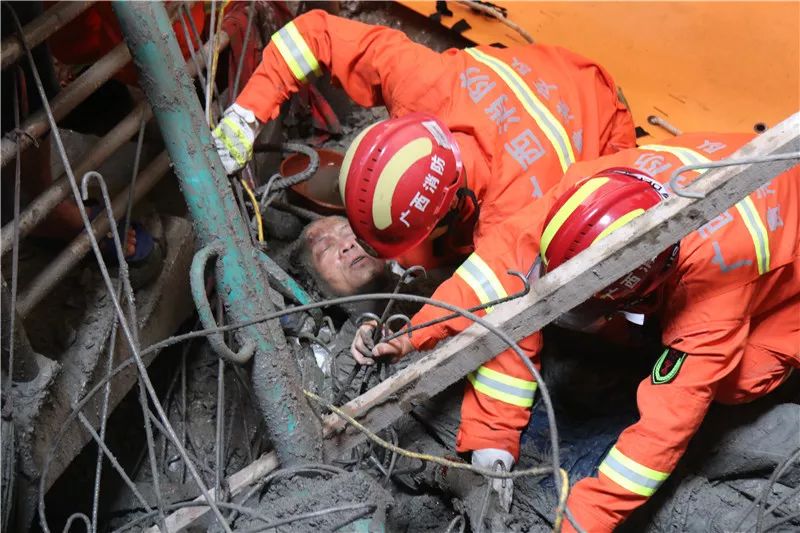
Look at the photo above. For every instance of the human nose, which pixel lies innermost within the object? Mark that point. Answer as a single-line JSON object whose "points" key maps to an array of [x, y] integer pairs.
{"points": [[347, 246]]}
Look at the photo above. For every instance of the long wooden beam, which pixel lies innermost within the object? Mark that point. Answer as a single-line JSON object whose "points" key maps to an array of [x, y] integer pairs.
{"points": [[569, 285]]}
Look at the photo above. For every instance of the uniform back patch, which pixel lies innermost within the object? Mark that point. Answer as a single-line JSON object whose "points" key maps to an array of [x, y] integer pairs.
{"points": [[667, 366]]}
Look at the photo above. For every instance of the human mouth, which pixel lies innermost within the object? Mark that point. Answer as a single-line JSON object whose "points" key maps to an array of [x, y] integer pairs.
{"points": [[357, 260]]}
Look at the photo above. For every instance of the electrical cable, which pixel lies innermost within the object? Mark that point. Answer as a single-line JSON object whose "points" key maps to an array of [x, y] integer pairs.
{"points": [[489, 10], [782, 521], [256, 210], [535, 471]]}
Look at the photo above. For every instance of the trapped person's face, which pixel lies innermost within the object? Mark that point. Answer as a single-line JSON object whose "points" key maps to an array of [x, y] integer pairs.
{"points": [[338, 259]]}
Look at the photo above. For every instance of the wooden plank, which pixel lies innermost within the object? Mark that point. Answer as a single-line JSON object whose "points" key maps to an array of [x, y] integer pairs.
{"points": [[564, 288], [183, 518]]}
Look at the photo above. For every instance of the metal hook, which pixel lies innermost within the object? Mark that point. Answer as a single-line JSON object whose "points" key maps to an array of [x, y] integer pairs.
{"points": [[682, 191], [399, 316], [526, 283], [112, 223], [366, 317], [412, 273]]}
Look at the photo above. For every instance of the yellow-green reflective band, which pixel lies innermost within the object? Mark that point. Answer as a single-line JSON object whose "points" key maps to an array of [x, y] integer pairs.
{"points": [[631, 475], [295, 52], [757, 232], [687, 156], [482, 280], [222, 134], [305, 50], [746, 207], [566, 210], [621, 221], [287, 56], [552, 128], [236, 129], [507, 389]]}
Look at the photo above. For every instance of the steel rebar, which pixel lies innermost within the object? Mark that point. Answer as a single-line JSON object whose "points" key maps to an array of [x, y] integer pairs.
{"points": [[65, 101], [130, 337]]}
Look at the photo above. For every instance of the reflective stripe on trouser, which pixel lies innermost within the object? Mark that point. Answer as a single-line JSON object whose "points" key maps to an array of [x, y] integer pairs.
{"points": [[547, 122], [502, 387], [482, 280], [631, 475], [746, 208], [234, 139], [296, 52]]}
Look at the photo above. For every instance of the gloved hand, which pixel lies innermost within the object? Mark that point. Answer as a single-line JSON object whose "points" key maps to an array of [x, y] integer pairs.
{"points": [[364, 350], [490, 458], [234, 136]]}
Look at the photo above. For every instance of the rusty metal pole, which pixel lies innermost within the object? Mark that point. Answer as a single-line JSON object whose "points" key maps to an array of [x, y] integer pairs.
{"points": [[294, 430]]}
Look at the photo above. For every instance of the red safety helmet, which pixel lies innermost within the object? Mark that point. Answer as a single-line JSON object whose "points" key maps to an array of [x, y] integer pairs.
{"points": [[398, 180], [592, 209]]}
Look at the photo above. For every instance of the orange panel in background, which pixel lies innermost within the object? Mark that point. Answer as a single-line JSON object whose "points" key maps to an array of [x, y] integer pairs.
{"points": [[704, 66]]}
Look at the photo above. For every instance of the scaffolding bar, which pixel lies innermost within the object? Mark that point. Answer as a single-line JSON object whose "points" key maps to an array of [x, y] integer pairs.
{"points": [[65, 101], [40, 29], [35, 213], [294, 430]]}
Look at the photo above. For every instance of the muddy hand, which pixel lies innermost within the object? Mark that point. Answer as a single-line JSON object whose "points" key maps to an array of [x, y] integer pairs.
{"points": [[362, 346], [364, 351]]}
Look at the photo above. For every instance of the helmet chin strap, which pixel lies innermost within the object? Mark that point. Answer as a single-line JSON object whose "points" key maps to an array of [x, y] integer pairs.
{"points": [[463, 195]]}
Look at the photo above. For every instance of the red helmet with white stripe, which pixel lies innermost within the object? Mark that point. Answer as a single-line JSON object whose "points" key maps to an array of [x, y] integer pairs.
{"points": [[592, 209], [398, 180]]}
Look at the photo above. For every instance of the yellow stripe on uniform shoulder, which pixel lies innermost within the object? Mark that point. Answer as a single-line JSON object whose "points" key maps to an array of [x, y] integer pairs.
{"points": [[686, 155], [752, 221], [296, 52], [508, 380], [538, 111], [304, 49]]}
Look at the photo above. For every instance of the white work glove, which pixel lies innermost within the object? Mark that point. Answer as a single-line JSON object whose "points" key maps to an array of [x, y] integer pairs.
{"points": [[234, 136], [488, 458]]}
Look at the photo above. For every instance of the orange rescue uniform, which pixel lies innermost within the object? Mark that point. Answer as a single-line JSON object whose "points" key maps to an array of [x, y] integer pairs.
{"points": [[521, 115], [95, 32], [730, 318]]}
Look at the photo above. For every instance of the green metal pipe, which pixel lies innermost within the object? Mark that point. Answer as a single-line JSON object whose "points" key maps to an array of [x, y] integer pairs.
{"points": [[294, 430]]}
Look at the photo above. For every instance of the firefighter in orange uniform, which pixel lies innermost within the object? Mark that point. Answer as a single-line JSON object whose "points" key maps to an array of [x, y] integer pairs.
{"points": [[727, 298], [509, 121]]}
